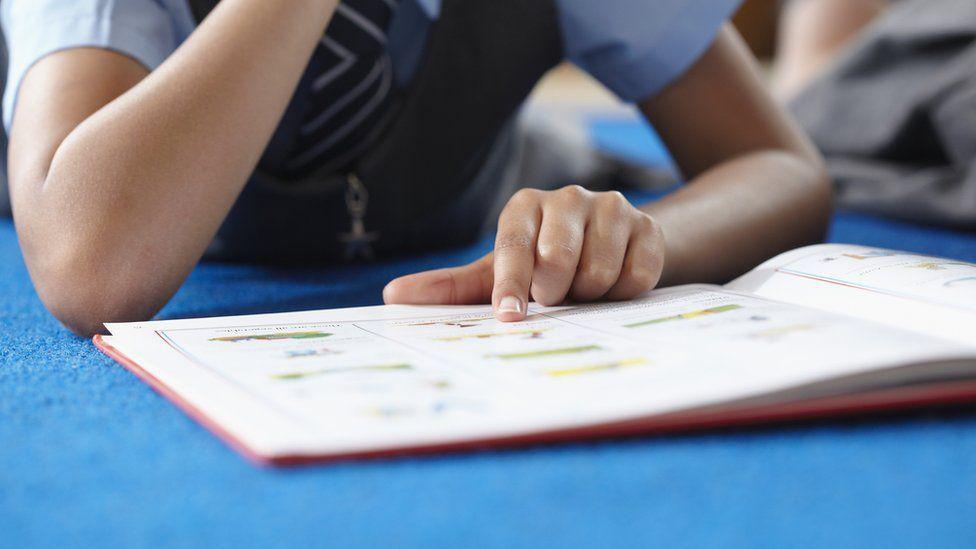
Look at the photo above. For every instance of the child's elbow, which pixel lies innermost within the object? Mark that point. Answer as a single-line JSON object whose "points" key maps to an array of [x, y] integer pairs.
{"points": [[820, 195], [83, 299], [809, 190], [77, 315]]}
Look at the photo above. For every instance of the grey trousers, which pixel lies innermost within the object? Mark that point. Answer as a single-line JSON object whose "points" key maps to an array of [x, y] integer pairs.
{"points": [[895, 116]]}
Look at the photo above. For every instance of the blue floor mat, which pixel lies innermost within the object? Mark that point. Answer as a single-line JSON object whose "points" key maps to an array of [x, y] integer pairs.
{"points": [[90, 456]]}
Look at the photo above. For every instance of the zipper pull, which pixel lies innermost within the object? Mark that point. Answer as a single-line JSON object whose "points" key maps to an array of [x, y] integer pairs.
{"points": [[358, 241]]}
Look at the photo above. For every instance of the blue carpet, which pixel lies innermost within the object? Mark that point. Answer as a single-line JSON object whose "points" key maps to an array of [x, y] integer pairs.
{"points": [[90, 456]]}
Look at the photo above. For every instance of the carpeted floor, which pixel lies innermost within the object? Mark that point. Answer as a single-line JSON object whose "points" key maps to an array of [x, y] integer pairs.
{"points": [[90, 456]]}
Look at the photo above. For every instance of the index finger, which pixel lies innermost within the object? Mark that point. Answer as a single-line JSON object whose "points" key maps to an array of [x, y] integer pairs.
{"points": [[514, 257]]}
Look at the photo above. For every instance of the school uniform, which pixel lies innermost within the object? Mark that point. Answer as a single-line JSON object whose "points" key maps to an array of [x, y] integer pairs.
{"points": [[400, 135]]}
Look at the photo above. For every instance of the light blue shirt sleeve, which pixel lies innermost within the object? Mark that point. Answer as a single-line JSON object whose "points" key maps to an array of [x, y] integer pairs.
{"points": [[637, 47], [634, 47], [146, 30]]}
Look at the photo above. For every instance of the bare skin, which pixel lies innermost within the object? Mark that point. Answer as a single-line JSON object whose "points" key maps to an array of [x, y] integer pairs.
{"points": [[812, 33], [120, 178]]}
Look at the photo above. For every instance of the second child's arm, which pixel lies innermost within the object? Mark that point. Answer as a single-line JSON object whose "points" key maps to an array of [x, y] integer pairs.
{"points": [[120, 178]]}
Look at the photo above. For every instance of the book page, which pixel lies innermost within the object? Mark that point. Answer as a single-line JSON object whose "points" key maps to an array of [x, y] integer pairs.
{"points": [[368, 379], [921, 293]]}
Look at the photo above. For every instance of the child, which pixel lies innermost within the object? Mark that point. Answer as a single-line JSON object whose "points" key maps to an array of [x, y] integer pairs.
{"points": [[310, 129]]}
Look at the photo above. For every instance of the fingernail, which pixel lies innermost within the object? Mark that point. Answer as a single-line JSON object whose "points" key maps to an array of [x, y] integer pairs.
{"points": [[510, 304]]}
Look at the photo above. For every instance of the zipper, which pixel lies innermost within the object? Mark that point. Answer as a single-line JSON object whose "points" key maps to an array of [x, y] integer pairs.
{"points": [[358, 241]]}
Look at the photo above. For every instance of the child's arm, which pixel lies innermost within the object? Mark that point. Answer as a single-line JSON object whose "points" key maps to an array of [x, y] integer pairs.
{"points": [[756, 188], [120, 178]]}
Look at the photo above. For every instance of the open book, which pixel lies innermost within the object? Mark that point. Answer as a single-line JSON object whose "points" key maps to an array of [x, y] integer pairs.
{"points": [[819, 330]]}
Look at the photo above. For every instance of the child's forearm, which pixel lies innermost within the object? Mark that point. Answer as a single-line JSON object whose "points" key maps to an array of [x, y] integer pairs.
{"points": [[736, 215], [756, 184], [126, 202]]}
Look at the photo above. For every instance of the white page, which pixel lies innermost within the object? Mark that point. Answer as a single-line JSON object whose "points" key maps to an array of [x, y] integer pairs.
{"points": [[920, 293], [376, 378]]}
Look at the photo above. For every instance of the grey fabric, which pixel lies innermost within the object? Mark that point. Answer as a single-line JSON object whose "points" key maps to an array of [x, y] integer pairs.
{"points": [[896, 115]]}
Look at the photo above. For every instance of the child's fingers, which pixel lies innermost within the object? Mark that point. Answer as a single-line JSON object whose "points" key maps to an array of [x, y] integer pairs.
{"points": [[644, 262], [560, 245], [604, 247], [589, 245], [514, 256], [465, 285]]}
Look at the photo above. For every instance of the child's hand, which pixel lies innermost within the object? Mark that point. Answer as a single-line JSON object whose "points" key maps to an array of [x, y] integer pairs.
{"points": [[570, 243]]}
